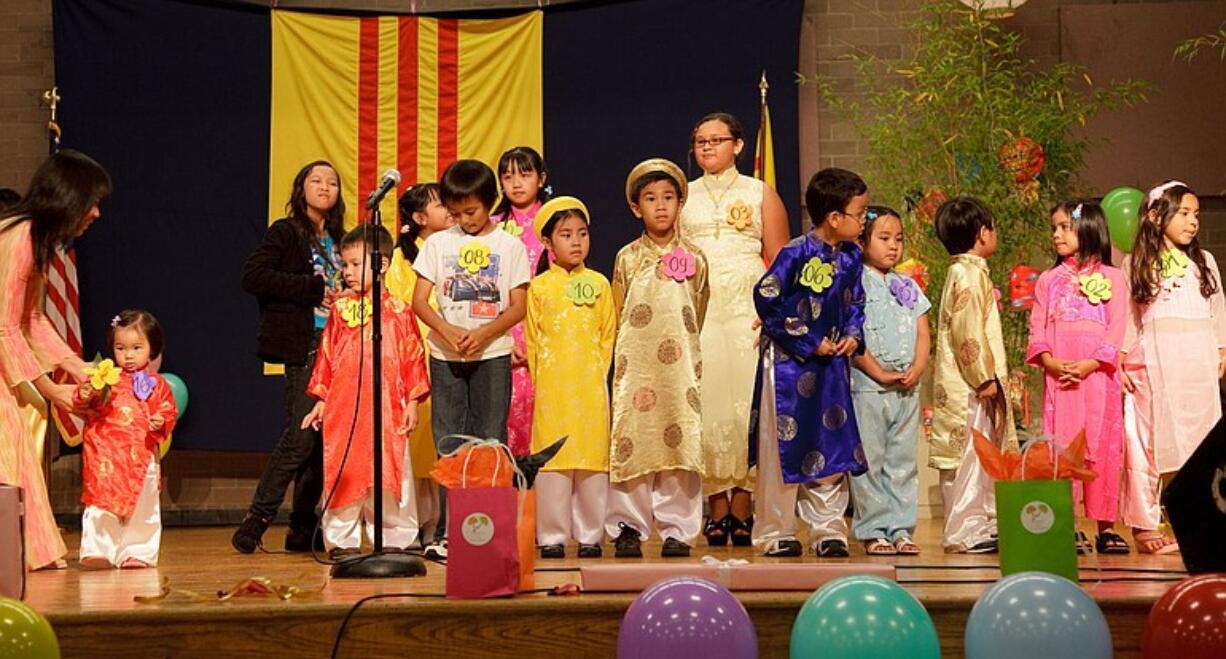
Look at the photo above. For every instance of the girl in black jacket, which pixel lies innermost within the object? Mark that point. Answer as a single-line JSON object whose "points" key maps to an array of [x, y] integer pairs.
{"points": [[294, 274]]}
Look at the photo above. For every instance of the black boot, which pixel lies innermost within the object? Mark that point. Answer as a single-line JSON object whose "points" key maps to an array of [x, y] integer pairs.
{"points": [[247, 538]]}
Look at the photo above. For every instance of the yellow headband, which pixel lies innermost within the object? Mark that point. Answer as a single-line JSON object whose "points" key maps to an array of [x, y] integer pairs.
{"points": [[549, 208], [656, 165]]}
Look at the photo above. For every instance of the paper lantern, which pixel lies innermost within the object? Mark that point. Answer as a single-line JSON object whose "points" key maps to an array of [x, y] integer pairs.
{"points": [[1023, 158], [1022, 280]]}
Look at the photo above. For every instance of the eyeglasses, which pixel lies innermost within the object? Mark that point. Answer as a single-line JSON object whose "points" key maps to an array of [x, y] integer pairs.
{"points": [[703, 142], [859, 217]]}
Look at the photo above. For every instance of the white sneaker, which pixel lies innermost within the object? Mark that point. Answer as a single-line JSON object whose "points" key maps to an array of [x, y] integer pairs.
{"points": [[437, 551]]}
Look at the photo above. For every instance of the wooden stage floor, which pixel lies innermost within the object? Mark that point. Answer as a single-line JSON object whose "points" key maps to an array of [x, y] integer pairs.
{"points": [[95, 615]]}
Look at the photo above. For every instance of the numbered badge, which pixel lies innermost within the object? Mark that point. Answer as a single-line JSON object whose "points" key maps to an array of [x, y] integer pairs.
{"points": [[474, 257], [582, 291], [817, 275], [679, 264]]}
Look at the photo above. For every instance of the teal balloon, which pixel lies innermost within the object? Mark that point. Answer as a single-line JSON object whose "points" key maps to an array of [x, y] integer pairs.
{"points": [[863, 616], [179, 388], [25, 633], [1121, 206], [1035, 615]]}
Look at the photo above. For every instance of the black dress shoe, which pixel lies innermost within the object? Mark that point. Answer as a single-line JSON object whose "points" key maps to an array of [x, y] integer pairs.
{"points": [[674, 548], [590, 551], [553, 551], [833, 548], [629, 543], [790, 548]]}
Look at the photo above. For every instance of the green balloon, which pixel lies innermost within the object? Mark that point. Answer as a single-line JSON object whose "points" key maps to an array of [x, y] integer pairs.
{"points": [[179, 388], [863, 616], [25, 633], [1121, 206]]}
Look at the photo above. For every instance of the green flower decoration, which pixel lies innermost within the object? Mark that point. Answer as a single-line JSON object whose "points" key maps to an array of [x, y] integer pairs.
{"points": [[512, 227], [1095, 287], [582, 291], [1174, 263], [817, 275]]}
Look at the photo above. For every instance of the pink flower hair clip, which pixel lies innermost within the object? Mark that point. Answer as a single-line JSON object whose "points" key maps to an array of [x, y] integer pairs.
{"points": [[115, 321]]}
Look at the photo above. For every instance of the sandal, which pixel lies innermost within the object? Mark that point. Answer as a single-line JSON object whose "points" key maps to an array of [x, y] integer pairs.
{"points": [[741, 530], [1083, 543], [1154, 542], [716, 531], [906, 546], [879, 547], [1111, 543]]}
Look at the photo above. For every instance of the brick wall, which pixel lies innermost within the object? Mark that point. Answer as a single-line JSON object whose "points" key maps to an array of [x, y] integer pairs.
{"points": [[26, 70]]}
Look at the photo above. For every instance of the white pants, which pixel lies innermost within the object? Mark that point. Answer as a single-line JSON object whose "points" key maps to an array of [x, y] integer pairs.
{"points": [[968, 493], [570, 505], [779, 505], [672, 499], [343, 526], [105, 536]]}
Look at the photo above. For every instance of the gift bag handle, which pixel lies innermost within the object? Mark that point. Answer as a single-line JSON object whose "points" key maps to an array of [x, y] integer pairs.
{"points": [[1055, 462], [475, 443]]}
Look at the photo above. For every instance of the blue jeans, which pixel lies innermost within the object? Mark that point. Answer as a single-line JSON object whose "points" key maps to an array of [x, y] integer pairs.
{"points": [[468, 398]]}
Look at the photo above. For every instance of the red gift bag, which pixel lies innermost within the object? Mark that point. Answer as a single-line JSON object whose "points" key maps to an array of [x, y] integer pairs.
{"points": [[482, 542], [483, 536]]}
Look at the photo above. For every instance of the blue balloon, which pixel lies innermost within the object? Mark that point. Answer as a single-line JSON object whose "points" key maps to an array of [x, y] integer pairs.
{"points": [[1036, 615]]}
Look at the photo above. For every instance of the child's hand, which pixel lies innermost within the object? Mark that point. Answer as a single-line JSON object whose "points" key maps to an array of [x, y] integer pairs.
{"points": [[410, 419], [1054, 367], [156, 422], [910, 377], [451, 334], [473, 342], [1083, 368], [1126, 381], [85, 392], [890, 379], [329, 298], [826, 348], [846, 346], [518, 357], [757, 333], [315, 417], [988, 390]]}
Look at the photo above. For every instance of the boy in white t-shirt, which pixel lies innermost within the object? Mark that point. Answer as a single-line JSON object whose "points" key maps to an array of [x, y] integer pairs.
{"points": [[479, 275]]}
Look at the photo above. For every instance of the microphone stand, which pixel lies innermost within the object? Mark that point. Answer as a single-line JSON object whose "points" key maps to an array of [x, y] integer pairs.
{"points": [[378, 563]]}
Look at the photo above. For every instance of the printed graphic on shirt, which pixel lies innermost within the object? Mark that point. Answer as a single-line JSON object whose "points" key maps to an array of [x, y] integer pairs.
{"points": [[479, 289], [328, 268]]}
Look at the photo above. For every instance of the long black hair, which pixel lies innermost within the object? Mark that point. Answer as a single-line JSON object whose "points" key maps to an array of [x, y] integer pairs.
{"points": [[63, 190], [296, 207], [524, 159], [1090, 225], [414, 200]]}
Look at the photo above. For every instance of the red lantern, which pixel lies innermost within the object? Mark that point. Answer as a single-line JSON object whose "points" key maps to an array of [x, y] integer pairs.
{"points": [[917, 271], [1022, 280], [1023, 158], [926, 209]]}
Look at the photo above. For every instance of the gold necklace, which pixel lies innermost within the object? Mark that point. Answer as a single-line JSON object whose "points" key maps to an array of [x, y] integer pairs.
{"points": [[718, 201]]}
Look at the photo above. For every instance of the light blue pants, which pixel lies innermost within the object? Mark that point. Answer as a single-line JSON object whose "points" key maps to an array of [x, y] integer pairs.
{"points": [[885, 495]]}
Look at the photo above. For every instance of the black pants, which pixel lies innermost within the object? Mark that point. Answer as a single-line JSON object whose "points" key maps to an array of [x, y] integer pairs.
{"points": [[298, 456]]}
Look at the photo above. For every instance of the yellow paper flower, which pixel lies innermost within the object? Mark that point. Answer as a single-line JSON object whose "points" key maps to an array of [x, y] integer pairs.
{"points": [[103, 374], [740, 215], [512, 227], [475, 256], [356, 312], [1095, 287], [582, 291], [1174, 263], [817, 275]]}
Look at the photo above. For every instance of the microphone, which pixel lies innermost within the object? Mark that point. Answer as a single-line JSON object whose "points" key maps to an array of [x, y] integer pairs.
{"points": [[391, 178]]}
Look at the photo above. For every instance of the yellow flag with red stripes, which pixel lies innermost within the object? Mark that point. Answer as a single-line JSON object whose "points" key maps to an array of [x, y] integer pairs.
{"points": [[405, 92], [411, 93], [764, 147]]}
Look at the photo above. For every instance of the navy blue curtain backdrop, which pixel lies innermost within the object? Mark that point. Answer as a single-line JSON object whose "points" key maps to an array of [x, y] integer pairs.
{"points": [[172, 97]]}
